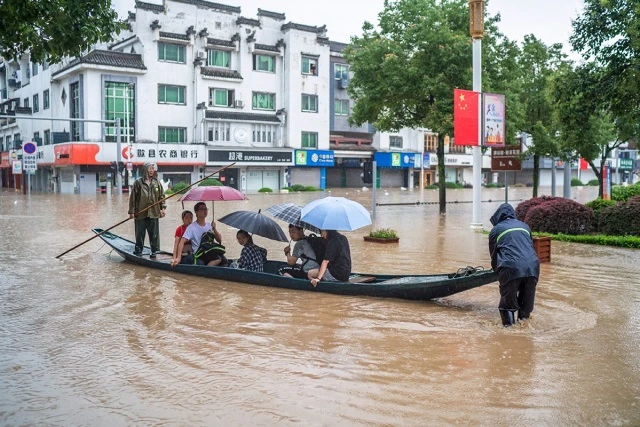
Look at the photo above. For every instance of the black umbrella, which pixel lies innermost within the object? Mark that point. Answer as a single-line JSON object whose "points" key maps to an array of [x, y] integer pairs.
{"points": [[255, 223]]}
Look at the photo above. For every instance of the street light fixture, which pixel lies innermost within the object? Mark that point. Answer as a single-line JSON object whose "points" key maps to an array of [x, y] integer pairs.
{"points": [[476, 29]]}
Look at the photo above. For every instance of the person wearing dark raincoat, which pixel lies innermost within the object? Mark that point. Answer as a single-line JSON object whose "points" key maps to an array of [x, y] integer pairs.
{"points": [[515, 260], [146, 191]]}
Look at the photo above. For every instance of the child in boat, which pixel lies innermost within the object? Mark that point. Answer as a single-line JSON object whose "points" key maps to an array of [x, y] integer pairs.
{"points": [[303, 251], [187, 219], [252, 257]]}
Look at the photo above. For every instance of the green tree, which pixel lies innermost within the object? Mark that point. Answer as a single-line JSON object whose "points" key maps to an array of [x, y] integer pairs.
{"points": [[52, 29], [587, 128], [538, 63], [405, 72], [608, 34]]}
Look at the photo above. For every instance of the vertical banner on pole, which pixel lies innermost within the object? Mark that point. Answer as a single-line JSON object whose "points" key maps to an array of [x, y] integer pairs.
{"points": [[494, 120], [465, 117]]}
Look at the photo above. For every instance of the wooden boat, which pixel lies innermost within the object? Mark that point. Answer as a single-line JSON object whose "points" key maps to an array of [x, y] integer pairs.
{"points": [[411, 287]]}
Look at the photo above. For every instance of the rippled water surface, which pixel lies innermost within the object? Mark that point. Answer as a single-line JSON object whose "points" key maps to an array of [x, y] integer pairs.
{"points": [[92, 340]]}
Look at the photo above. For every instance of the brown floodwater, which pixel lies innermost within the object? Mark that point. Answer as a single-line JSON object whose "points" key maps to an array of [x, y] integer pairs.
{"points": [[92, 340]]}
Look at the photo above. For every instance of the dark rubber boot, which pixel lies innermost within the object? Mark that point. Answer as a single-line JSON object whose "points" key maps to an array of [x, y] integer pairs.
{"points": [[522, 315], [508, 317]]}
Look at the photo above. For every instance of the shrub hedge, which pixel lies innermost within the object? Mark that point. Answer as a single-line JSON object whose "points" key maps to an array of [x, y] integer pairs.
{"points": [[621, 193], [560, 216], [523, 208], [575, 182], [596, 206], [593, 183], [265, 190], [209, 182], [621, 219]]}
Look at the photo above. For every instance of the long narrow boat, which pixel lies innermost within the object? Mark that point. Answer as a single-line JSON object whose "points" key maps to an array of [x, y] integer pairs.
{"points": [[411, 287]]}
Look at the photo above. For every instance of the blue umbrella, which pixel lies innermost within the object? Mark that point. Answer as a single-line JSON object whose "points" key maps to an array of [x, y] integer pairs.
{"points": [[336, 213]]}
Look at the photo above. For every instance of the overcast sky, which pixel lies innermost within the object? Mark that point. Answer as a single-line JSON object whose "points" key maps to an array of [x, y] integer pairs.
{"points": [[549, 20]]}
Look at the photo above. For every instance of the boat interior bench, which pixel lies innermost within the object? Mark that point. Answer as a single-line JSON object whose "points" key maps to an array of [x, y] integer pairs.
{"points": [[361, 279]]}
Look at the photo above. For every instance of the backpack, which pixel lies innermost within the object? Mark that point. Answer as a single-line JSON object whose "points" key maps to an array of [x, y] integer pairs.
{"points": [[318, 245], [207, 244]]}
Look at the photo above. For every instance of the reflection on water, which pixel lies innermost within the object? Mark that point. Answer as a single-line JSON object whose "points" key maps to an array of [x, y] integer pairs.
{"points": [[90, 339]]}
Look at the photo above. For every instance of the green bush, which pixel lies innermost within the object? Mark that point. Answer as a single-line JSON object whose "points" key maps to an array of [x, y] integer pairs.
{"points": [[296, 187], [622, 193], [560, 216], [621, 219], [210, 182], [453, 185], [491, 185], [575, 182], [596, 206], [384, 233], [310, 188], [620, 241], [593, 183], [432, 187], [265, 190], [179, 187]]}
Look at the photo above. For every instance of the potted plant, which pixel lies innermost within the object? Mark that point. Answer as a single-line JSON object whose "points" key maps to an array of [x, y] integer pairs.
{"points": [[382, 235]]}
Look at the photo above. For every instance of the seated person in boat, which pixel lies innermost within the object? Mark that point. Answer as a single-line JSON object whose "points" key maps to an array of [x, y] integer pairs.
{"points": [[187, 219], [336, 263], [193, 234], [252, 256], [303, 252]]}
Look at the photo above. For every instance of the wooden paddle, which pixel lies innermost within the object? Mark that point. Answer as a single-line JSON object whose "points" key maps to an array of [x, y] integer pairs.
{"points": [[145, 209]]}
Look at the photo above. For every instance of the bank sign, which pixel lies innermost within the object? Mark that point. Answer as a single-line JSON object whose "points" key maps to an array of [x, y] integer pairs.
{"points": [[395, 160], [314, 158], [246, 156]]}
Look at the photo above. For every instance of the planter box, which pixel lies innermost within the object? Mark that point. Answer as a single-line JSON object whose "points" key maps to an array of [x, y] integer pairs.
{"points": [[542, 245], [381, 240]]}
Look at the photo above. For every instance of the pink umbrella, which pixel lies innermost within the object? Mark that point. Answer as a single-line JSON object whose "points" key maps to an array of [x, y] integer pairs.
{"points": [[211, 193]]}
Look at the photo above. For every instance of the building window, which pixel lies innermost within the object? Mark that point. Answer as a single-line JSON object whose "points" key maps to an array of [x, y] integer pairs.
{"points": [[220, 132], [264, 133], [431, 143], [264, 63], [119, 102], [395, 141], [36, 103], [170, 94], [74, 98], [310, 103], [172, 135], [341, 71], [36, 139], [26, 102], [218, 58], [169, 52], [264, 101], [309, 66], [309, 140], [47, 137], [45, 65], [34, 69], [220, 97], [342, 107], [45, 100]]}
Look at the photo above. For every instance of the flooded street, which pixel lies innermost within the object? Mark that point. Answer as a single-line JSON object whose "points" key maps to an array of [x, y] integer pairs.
{"points": [[92, 340]]}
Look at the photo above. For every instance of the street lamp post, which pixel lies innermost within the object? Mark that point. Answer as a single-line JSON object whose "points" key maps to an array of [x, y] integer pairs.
{"points": [[476, 28]]}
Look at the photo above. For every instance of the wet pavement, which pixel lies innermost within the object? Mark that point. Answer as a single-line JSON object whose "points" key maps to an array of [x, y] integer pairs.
{"points": [[91, 340]]}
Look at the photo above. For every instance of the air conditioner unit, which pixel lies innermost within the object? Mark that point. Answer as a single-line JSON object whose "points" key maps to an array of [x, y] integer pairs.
{"points": [[239, 103], [200, 54]]}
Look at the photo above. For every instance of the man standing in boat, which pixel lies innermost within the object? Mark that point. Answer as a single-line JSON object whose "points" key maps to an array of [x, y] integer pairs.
{"points": [[146, 192], [514, 259]]}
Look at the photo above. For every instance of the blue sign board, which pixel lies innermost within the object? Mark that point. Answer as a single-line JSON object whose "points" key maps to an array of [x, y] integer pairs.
{"points": [[395, 160], [314, 158]]}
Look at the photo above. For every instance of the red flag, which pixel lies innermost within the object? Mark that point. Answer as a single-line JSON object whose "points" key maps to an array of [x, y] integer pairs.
{"points": [[465, 117], [584, 165]]}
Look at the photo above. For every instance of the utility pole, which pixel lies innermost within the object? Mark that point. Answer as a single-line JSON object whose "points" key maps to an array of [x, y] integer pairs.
{"points": [[476, 28]]}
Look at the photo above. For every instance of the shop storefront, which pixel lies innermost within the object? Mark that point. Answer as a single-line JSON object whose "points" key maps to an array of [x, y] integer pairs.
{"points": [[252, 169], [396, 169], [310, 168]]}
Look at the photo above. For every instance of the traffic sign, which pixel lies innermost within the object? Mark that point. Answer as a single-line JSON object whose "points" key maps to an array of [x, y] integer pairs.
{"points": [[506, 158], [29, 163], [29, 148]]}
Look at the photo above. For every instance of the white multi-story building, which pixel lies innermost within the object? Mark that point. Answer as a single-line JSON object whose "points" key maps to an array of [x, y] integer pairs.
{"points": [[195, 85]]}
